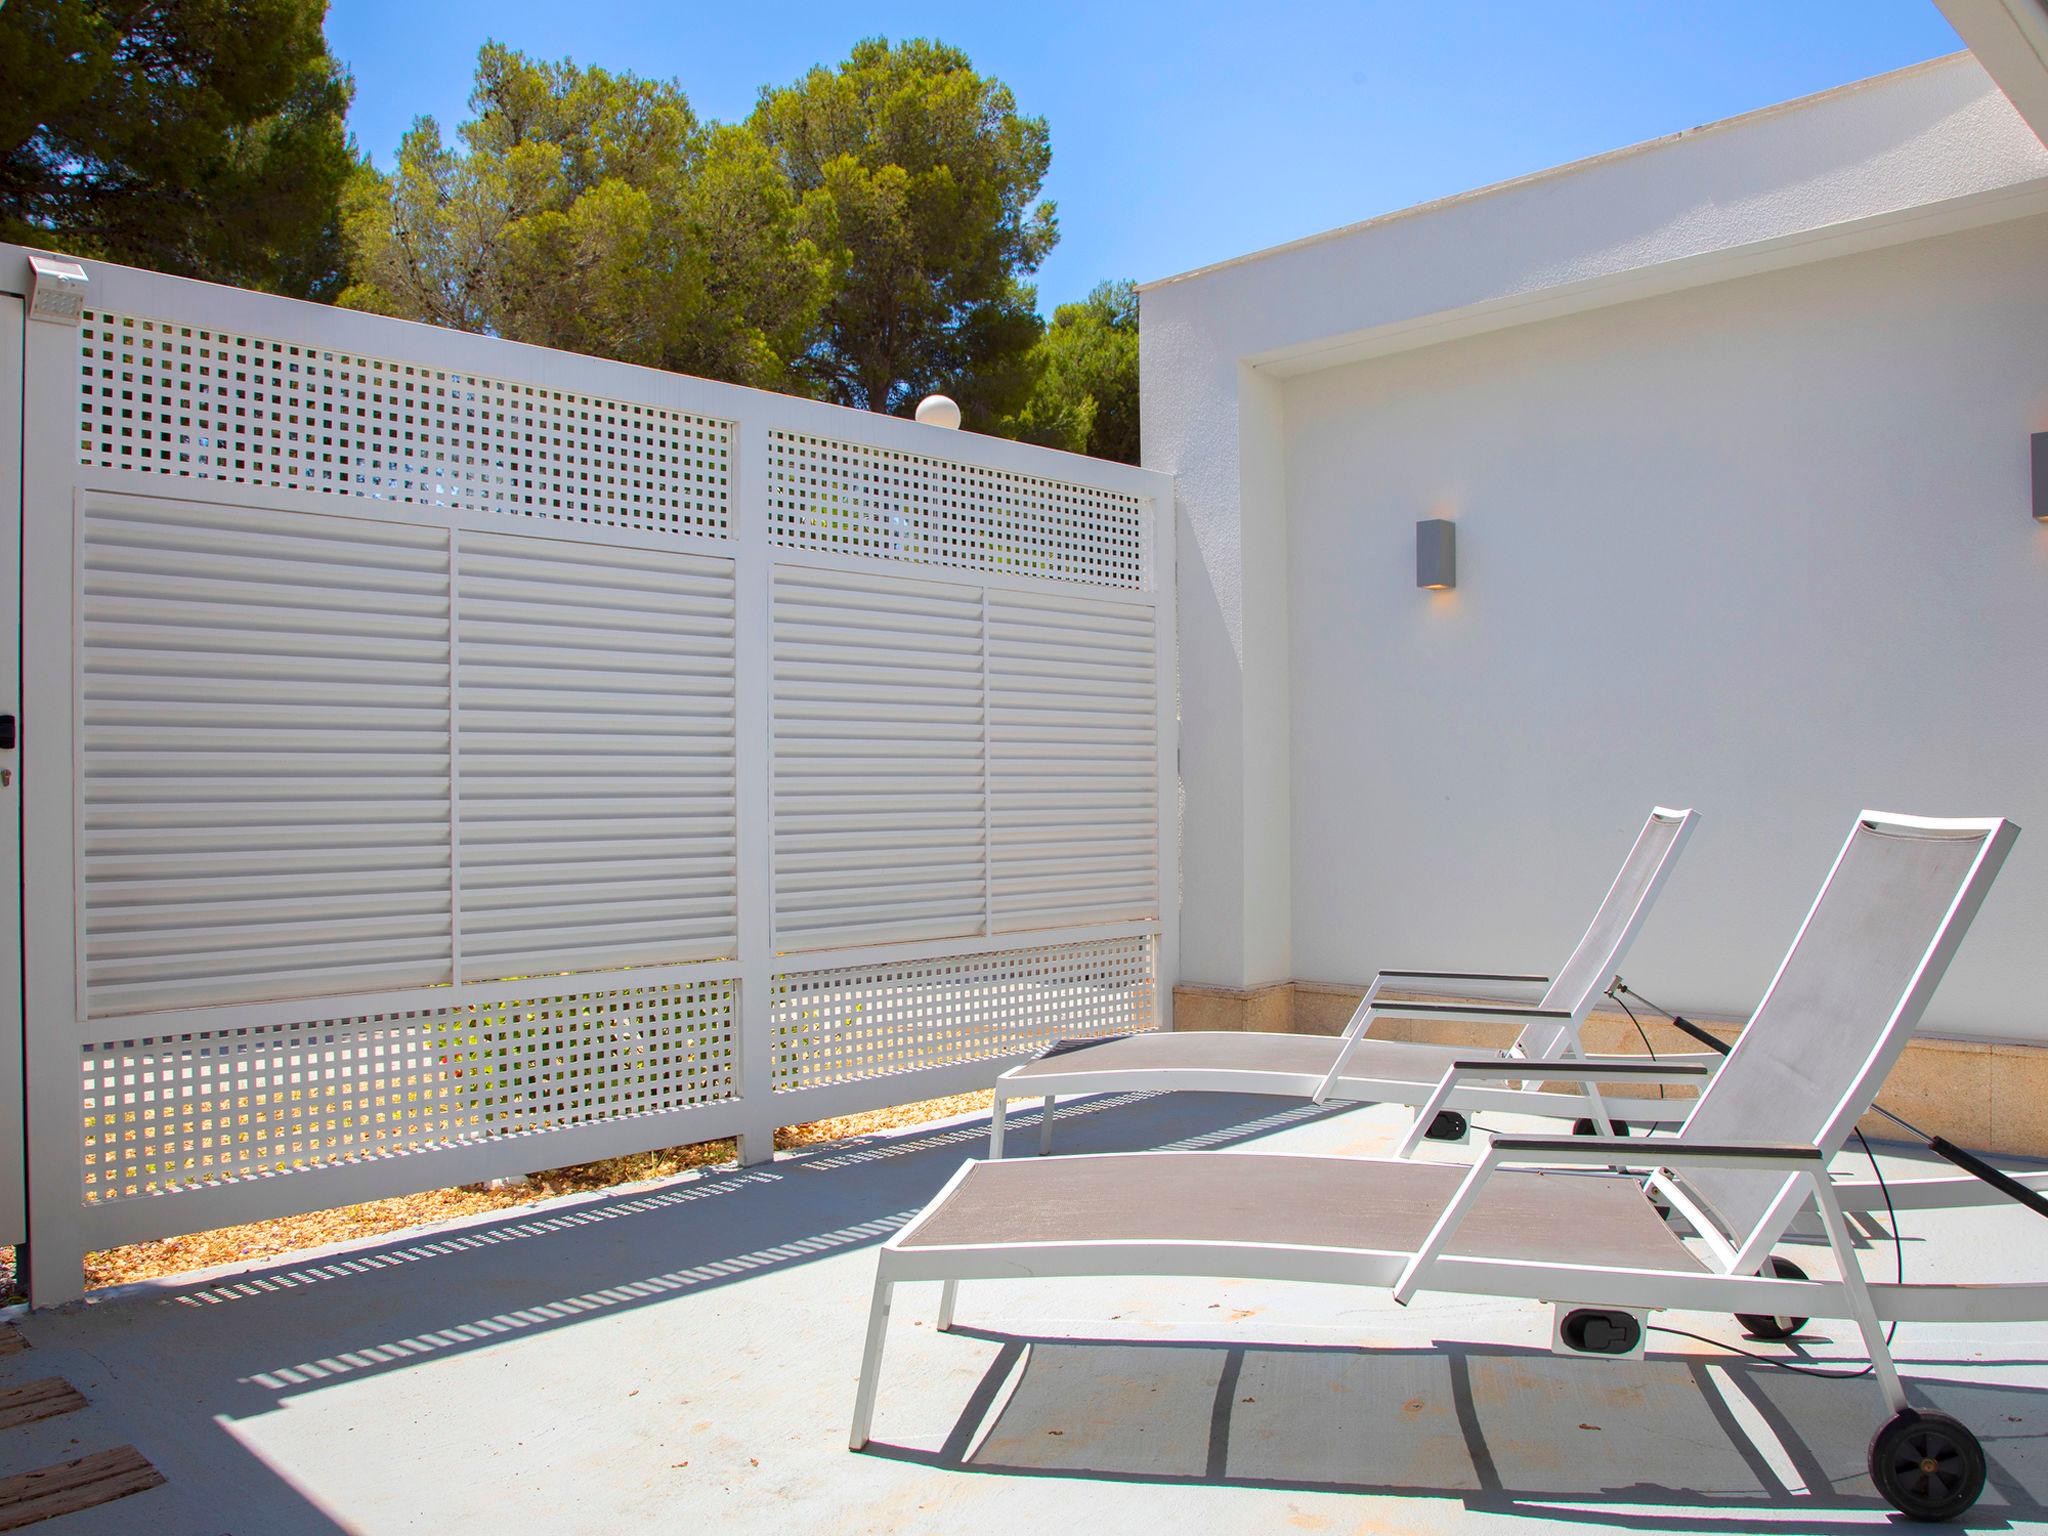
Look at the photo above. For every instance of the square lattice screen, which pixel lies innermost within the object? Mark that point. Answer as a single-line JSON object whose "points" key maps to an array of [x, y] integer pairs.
{"points": [[176, 399], [872, 1021], [850, 499], [183, 1110]]}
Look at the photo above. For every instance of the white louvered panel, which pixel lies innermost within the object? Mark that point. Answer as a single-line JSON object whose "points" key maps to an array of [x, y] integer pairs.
{"points": [[595, 756], [1073, 761], [264, 754], [878, 790]]}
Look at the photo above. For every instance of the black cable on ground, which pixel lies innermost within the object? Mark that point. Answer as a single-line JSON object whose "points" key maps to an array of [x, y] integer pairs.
{"points": [[1772, 1360]]}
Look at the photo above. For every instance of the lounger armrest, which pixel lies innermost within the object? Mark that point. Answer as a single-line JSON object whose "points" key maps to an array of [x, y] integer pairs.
{"points": [[1673, 1152], [1472, 1013], [1544, 1069], [1607, 1151], [1583, 1069], [1529, 978]]}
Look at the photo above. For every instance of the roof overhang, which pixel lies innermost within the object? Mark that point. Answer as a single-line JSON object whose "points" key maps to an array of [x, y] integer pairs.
{"points": [[1920, 152], [2010, 39]]}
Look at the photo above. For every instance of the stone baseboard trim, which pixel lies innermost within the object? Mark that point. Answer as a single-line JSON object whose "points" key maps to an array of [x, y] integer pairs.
{"points": [[1987, 1094]]}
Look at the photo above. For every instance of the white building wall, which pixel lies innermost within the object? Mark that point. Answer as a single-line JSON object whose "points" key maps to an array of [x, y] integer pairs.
{"points": [[1762, 547], [1922, 152]]}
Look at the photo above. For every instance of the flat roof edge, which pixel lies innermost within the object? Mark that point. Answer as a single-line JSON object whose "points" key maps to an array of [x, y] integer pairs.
{"points": [[1568, 168]]}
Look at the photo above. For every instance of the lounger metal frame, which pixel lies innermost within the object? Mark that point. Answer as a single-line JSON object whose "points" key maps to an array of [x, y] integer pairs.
{"points": [[1731, 1284], [1554, 1032]]}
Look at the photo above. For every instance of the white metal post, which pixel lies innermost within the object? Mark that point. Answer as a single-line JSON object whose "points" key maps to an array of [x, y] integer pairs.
{"points": [[1166, 646], [56, 1191], [13, 1143], [753, 771]]}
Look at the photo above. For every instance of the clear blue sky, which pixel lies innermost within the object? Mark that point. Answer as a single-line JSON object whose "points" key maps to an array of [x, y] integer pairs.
{"points": [[1187, 133]]}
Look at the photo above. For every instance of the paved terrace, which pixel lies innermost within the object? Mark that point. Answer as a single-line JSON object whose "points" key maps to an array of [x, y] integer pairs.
{"points": [[686, 1352]]}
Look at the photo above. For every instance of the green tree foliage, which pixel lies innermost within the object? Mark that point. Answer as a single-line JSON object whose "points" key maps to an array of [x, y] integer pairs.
{"points": [[592, 211], [202, 137], [933, 177], [1085, 398]]}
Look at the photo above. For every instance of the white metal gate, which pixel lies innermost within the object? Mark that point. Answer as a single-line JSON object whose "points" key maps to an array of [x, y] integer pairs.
{"points": [[446, 758]]}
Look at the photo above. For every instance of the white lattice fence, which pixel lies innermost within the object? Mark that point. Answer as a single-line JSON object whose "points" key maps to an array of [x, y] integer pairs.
{"points": [[875, 1021], [448, 759]]}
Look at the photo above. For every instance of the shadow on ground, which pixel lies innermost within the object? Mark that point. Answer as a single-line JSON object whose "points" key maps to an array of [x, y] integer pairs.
{"points": [[193, 1374], [1507, 1430]]}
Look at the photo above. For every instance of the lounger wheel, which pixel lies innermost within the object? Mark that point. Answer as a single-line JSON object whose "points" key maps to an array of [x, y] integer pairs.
{"points": [[1449, 1125], [1763, 1327], [1584, 1126], [1928, 1466]]}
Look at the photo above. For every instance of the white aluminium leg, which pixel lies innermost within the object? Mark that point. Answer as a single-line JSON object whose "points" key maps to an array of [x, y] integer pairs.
{"points": [[1857, 1293], [1603, 1123], [949, 1293], [871, 1363], [995, 1124], [1045, 1128]]}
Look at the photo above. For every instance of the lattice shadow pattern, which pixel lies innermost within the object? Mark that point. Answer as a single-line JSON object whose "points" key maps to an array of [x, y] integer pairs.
{"points": [[185, 1110]]}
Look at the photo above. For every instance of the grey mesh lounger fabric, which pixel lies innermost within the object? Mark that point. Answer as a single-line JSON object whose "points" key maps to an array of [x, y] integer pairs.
{"points": [[1848, 996], [1372, 1070]]}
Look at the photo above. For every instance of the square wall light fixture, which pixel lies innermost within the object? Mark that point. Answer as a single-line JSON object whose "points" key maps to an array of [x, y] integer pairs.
{"points": [[1436, 551]]}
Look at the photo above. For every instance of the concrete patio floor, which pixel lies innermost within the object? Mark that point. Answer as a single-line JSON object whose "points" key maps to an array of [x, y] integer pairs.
{"points": [[686, 1352]]}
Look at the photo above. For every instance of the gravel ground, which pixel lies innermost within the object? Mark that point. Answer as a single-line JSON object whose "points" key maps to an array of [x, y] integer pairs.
{"points": [[285, 1234]]}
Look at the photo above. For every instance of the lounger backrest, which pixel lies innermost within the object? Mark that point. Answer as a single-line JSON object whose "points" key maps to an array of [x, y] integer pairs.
{"points": [[1614, 926], [1845, 1001]]}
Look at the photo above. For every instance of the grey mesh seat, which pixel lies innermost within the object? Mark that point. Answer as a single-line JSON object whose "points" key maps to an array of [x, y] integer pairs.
{"points": [[1354, 1066], [1562, 1219]]}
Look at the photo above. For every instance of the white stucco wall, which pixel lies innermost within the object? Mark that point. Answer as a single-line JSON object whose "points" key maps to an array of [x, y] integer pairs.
{"points": [[1907, 156], [1232, 355], [1762, 547]]}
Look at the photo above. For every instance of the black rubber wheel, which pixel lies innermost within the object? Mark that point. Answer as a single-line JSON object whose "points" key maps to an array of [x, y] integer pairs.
{"points": [[1584, 1126], [1928, 1466], [1449, 1125], [1762, 1327]]}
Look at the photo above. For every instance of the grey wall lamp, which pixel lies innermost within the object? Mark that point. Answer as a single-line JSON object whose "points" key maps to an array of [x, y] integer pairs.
{"points": [[1436, 544], [2041, 476]]}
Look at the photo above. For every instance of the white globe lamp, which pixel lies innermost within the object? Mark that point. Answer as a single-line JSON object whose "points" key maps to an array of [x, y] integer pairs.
{"points": [[939, 411]]}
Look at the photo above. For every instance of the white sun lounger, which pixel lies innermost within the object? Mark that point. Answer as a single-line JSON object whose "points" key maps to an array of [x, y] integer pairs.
{"points": [[1751, 1156], [1352, 1066]]}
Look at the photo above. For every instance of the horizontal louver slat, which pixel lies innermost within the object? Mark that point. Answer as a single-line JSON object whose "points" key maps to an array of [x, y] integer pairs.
{"points": [[878, 796], [1073, 761], [595, 756], [263, 745]]}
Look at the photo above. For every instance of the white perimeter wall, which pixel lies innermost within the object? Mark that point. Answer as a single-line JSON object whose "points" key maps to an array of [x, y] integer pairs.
{"points": [[1762, 547]]}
